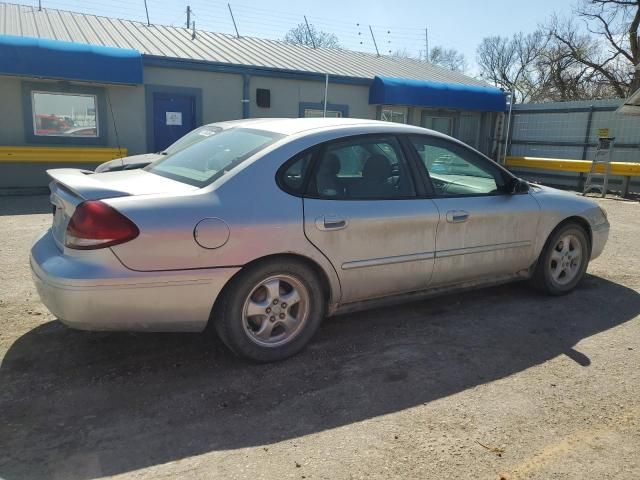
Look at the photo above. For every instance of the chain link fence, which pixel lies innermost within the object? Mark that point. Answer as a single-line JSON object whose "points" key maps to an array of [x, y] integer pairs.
{"points": [[570, 130]]}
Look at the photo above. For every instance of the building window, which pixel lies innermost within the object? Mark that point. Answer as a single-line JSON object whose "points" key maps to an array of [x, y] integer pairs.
{"points": [[316, 110], [64, 115], [440, 124], [393, 114], [315, 113]]}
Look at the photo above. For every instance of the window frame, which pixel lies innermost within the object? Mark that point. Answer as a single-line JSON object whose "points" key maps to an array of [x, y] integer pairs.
{"points": [[493, 167], [29, 88], [395, 109], [415, 175], [342, 108]]}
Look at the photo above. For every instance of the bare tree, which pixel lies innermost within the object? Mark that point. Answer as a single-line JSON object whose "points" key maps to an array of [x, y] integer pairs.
{"points": [[311, 37], [448, 58], [609, 47], [511, 63]]}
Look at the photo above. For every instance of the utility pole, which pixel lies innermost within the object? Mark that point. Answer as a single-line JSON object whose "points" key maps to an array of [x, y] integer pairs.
{"points": [[374, 40], [313, 41], [147, 10], [233, 20], [193, 33], [426, 43], [39, 5], [326, 92], [188, 16]]}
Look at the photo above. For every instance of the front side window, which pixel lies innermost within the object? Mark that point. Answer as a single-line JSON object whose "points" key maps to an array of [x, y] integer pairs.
{"points": [[455, 170], [57, 114], [202, 162], [362, 168]]}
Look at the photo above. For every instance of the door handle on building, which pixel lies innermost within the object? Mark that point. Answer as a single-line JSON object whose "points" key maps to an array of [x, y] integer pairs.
{"points": [[457, 216]]}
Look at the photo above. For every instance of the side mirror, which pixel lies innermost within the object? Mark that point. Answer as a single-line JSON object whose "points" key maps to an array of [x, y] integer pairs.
{"points": [[517, 185]]}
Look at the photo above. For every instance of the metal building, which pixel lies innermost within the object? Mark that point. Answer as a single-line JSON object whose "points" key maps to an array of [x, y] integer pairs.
{"points": [[78, 89]]}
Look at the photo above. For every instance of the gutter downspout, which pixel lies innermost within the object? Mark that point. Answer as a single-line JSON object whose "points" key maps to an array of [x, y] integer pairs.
{"points": [[246, 95]]}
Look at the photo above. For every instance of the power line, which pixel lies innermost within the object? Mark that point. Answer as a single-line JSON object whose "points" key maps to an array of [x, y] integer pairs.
{"points": [[256, 22]]}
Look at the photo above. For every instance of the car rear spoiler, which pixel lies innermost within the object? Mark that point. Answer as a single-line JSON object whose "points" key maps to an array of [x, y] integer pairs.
{"points": [[81, 183]]}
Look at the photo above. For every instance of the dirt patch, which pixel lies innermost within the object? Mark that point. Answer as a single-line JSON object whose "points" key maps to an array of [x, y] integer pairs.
{"points": [[501, 382]]}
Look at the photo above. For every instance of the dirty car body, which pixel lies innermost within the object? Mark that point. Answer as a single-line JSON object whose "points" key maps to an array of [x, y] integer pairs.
{"points": [[378, 212]]}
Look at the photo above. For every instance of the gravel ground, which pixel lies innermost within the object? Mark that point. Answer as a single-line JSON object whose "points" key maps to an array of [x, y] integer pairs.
{"points": [[497, 383]]}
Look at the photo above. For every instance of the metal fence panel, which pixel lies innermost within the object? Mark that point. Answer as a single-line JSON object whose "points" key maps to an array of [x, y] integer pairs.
{"points": [[570, 130]]}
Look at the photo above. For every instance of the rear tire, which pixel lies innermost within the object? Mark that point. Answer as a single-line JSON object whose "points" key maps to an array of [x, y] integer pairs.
{"points": [[563, 261], [271, 310]]}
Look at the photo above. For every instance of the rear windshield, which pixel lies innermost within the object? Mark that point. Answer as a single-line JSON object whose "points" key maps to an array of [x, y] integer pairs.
{"points": [[201, 163], [192, 137]]}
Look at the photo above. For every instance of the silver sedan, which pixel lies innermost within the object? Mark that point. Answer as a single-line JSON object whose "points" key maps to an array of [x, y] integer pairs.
{"points": [[264, 227]]}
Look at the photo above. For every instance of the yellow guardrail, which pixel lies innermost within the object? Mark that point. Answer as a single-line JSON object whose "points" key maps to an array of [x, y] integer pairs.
{"points": [[59, 154], [623, 169]]}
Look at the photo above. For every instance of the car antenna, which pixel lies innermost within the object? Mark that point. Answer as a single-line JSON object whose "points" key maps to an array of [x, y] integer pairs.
{"points": [[115, 129]]}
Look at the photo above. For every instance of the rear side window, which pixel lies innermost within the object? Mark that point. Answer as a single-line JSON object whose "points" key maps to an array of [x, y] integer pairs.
{"points": [[369, 167], [293, 174]]}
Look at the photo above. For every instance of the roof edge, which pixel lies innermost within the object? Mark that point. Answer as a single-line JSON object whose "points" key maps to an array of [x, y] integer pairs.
{"points": [[209, 66]]}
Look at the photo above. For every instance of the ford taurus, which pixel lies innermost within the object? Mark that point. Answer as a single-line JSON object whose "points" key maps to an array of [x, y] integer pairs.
{"points": [[261, 228]]}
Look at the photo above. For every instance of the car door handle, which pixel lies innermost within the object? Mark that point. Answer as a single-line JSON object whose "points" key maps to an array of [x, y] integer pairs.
{"points": [[330, 222], [457, 216]]}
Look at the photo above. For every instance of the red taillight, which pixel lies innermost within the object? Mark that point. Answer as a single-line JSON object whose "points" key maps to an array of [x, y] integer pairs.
{"points": [[96, 225]]}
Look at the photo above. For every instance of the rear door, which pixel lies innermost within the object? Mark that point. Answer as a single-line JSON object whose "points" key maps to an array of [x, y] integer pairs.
{"points": [[363, 211], [483, 231]]}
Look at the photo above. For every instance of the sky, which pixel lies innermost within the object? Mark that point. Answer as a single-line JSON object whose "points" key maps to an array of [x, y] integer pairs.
{"points": [[397, 25]]}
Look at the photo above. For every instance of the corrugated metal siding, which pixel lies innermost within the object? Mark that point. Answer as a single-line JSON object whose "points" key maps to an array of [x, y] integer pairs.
{"points": [[174, 42]]}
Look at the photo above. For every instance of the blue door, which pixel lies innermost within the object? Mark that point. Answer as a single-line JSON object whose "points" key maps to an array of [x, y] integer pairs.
{"points": [[174, 115]]}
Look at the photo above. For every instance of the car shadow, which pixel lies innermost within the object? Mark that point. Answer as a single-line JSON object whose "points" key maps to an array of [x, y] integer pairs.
{"points": [[24, 204], [78, 405]]}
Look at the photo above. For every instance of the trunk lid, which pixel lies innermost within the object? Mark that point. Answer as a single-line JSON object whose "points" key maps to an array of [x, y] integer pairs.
{"points": [[71, 186]]}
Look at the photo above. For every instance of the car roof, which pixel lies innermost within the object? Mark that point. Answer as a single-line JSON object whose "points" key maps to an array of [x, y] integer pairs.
{"points": [[293, 126]]}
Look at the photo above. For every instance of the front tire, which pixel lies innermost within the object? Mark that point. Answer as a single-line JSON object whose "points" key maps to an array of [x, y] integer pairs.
{"points": [[563, 261], [271, 310]]}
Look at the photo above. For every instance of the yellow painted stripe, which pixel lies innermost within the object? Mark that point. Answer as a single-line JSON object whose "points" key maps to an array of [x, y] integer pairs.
{"points": [[626, 169], [59, 154]]}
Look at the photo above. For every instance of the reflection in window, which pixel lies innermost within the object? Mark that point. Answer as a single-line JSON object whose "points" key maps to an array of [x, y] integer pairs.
{"points": [[455, 170], [64, 115]]}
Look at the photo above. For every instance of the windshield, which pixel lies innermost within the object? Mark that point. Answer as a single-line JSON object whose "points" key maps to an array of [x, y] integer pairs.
{"points": [[192, 137], [204, 161]]}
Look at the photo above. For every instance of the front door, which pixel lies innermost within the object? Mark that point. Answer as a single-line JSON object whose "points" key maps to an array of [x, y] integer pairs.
{"points": [[484, 232], [173, 117], [362, 212]]}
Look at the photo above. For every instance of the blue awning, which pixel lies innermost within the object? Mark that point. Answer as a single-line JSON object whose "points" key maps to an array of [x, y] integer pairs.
{"points": [[421, 93], [35, 57]]}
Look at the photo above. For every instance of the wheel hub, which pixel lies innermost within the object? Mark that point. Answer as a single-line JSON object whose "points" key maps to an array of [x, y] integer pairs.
{"points": [[276, 310], [565, 259]]}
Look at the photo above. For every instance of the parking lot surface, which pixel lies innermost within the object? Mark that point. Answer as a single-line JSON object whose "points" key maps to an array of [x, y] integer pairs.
{"points": [[498, 383]]}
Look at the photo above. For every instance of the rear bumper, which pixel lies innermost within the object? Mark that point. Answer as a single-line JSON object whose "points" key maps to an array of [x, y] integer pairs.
{"points": [[94, 291]]}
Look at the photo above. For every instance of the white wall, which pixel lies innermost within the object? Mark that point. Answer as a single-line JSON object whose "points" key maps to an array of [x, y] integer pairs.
{"points": [[286, 95], [11, 118]]}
